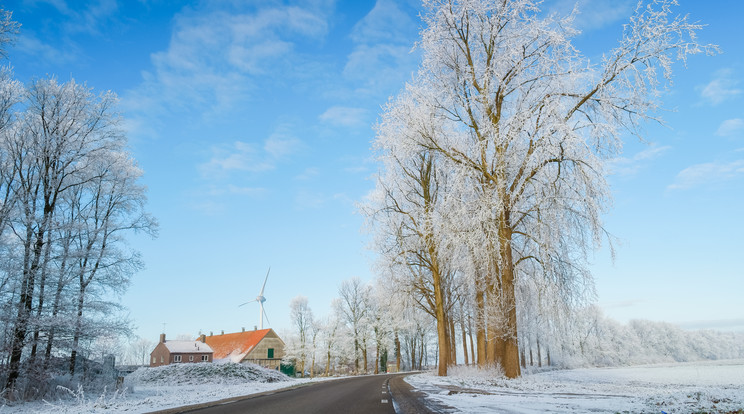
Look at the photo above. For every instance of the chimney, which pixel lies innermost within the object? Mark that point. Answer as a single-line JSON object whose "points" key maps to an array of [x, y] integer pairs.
{"points": [[255, 328], [223, 332], [203, 338], [243, 329], [210, 333], [162, 338]]}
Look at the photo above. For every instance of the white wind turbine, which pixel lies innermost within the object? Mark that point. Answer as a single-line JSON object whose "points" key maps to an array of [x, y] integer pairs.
{"points": [[260, 299]]}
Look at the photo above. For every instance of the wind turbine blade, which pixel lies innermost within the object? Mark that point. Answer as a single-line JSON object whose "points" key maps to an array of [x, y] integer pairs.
{"points": [[267, 318], [250, 301], [264, 285]]}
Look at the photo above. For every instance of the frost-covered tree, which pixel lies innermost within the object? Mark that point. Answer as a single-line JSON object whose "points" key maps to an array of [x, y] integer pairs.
{"points": [[523, 124], [302, 319], [407, 211], [75, 193]]}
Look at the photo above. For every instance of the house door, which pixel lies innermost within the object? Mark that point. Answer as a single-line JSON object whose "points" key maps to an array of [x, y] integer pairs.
{"points": [[271, 352]]}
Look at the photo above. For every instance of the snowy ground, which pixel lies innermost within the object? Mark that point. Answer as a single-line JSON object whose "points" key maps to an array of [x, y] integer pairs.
{"points": [[710, 386], [152, 389]]}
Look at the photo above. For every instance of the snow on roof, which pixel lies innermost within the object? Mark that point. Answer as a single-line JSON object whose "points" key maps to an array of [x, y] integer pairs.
{"points": [[235, 345], [186, 347]]}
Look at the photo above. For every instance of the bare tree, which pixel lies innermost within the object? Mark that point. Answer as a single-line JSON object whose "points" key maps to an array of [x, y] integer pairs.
{"points": [[302, 318], [352, 307], [74, 194]]}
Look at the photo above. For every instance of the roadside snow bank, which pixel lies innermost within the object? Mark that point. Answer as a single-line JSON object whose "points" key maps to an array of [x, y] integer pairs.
{"points": [[197, 374], [709, 386]]}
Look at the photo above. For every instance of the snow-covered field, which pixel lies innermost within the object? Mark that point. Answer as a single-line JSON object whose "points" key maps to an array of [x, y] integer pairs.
{"points": [[151, 389], [709, 386]]}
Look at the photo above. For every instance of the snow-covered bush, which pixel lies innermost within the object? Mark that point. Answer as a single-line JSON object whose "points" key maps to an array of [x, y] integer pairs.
{"points": [[195, 374]]}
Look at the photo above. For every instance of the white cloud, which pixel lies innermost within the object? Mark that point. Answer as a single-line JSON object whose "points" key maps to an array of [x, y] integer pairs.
{"points": [[307, 200], [255, 192], [721, 88], [239, 156], [308, 174], [91, 17], [344, 116], [383, 23], [30, 45], [595, 14], [216, 58], [382, 58], [624, 166], [249, 156], [281, 144], [707, 174], [731, 127]]}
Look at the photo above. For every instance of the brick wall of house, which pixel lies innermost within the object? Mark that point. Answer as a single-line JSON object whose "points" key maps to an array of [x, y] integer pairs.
{"points": [[160, 356]]}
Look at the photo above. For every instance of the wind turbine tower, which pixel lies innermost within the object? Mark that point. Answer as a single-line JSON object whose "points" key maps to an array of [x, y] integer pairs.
{"points": [[260, 299]]}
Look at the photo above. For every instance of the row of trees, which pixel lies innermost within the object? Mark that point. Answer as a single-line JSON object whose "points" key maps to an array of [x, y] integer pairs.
{"points": [[70, 192], [366, 331], [373, 327], [493, 157]]}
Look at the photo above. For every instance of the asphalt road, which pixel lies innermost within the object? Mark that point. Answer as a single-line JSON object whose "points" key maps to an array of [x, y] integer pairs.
{"points": [[365, 394]]}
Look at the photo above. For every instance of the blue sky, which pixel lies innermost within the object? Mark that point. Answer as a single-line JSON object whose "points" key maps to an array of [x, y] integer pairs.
{"points": [[253, 123]]}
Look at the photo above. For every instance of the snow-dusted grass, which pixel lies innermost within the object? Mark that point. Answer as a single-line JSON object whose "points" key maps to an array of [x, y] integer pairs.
{"points": [[151, 389], [709, 386]]}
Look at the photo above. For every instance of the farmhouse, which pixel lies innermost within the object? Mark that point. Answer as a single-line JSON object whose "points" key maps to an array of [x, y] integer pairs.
{"points": [[174, 352], [262, 347]]}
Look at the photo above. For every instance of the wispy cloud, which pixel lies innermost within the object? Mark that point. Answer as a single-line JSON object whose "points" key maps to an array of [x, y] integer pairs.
{"points": [[243, 156], [237, 156], [69, 22], [344, 116], [282, 143], [722, 87], [254, 192], [731, 127], [28, 44], [595, 14], [89, 17], [707, 174], [628, 166], [309, 200], [382, 54], [308, 174], [216, 57]]}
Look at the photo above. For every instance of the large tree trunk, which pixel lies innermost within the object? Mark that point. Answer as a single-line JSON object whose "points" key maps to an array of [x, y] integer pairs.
{"points": [[32, 257], [480, 334], [377, 356], [442, 325], [397, 352], [364, 350], [472, 348], [511, 346], [453, 343], [464, 340], [78, 329]]}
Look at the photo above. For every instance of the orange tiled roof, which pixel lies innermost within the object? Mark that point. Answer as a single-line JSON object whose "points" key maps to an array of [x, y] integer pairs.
{"points": [[235, 345]]}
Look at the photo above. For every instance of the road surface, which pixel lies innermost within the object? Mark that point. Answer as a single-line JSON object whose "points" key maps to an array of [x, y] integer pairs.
{"points": [[363, 395]]}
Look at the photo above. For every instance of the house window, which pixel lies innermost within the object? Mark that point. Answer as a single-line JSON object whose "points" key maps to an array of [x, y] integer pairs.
{"points": [[191, 358], [271, 352], [154, 360], [162, 359], [205, 358], [176, 358]]}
